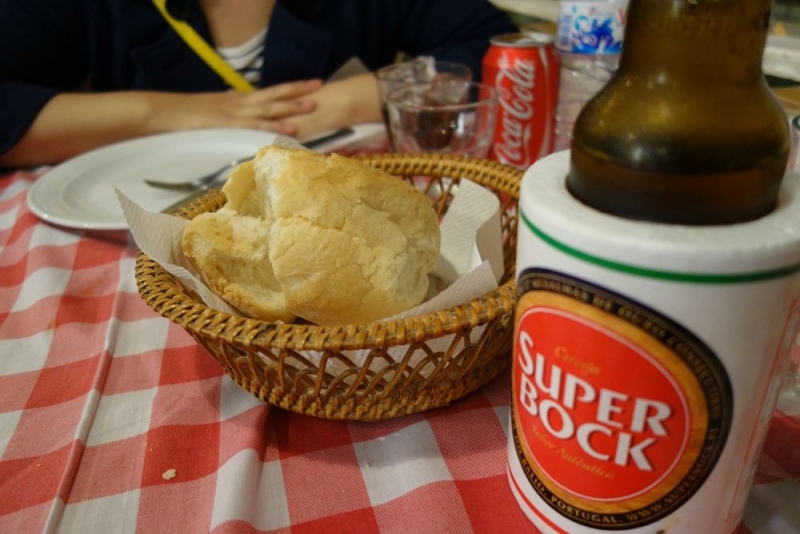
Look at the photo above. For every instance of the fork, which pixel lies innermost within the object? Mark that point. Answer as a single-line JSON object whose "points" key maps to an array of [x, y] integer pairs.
{"points": [[201, 182], [205, 182]]}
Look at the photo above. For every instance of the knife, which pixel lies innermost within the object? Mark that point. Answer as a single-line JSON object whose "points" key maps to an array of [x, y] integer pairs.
{"points": [[310, 144], [333, 136]]}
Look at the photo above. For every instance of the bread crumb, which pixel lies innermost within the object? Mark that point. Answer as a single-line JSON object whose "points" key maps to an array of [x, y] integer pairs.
{"points": [[169, 474]]}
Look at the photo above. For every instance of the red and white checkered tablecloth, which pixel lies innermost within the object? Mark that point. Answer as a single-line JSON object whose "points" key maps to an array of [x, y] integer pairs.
{"points": [[112, 419]]}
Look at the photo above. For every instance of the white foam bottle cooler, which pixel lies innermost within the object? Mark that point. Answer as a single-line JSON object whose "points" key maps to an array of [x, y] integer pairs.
{"points": [[647, 360]]}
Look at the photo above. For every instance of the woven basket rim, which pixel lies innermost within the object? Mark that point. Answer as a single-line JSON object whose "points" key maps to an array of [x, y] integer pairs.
{"points": [[200, 319]]}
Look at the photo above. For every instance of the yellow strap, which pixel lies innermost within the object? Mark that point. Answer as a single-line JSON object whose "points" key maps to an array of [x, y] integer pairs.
{"points": [[202, 49]]}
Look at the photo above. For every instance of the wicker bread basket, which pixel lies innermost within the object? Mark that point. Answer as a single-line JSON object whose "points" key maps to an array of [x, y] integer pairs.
{"points": [[366, 372]]}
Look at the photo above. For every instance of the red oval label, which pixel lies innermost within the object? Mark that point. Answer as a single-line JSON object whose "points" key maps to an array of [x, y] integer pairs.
{"points": [[619, 412], [601, 409]]}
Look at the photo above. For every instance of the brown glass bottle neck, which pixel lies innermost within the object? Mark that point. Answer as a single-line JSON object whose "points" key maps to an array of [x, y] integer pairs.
{"points": [[703, 39]]}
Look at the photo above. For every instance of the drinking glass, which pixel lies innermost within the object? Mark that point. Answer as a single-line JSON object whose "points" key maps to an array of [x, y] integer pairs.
{"points": [[419, 70], [446, 117]]}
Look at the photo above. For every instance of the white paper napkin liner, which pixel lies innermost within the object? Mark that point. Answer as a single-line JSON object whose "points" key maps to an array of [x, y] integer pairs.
{"points": [[470, 233], [468, 228], [159, 236]]}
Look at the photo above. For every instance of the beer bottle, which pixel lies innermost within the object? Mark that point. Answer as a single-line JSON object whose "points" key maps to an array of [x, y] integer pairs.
{"points": [[687, 130]]}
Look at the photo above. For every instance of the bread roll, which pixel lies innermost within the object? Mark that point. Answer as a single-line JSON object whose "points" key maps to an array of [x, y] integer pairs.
{"points": [[325, 238], [230, 249]]}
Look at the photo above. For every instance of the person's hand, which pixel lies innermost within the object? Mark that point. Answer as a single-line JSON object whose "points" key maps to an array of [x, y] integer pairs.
{"points": [[262, 109], [353, 100]]}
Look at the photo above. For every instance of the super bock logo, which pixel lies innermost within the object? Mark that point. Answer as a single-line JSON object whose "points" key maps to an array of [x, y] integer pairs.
{"points": [[620, 413], [516, 110]]}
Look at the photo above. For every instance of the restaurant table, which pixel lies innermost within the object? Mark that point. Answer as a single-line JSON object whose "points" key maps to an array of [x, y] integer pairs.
{"points": [[112, 419]]}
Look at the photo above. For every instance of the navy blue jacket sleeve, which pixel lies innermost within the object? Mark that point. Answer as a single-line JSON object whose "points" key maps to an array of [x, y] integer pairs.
{"points": [[52, 46], [42, 52]]}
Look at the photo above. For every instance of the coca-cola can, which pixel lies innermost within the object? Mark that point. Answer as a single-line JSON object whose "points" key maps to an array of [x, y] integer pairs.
{"points": [[523, 67]]}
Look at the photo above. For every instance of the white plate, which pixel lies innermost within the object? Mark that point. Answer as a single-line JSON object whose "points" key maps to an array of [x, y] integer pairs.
{"points": [[79, 193]]}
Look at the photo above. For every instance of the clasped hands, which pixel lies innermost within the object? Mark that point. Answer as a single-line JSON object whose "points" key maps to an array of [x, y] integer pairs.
{"points": [[300, 109]]}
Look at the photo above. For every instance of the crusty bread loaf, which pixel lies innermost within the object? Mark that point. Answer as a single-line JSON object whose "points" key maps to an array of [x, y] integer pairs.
{"points": [[339, 241]]}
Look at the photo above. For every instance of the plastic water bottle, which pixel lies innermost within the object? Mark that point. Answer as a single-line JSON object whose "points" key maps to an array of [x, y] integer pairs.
{"points": [[589, 43]]}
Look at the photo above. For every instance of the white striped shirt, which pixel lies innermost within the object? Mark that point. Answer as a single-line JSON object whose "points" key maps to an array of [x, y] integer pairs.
{"points": [[246, 58]]}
